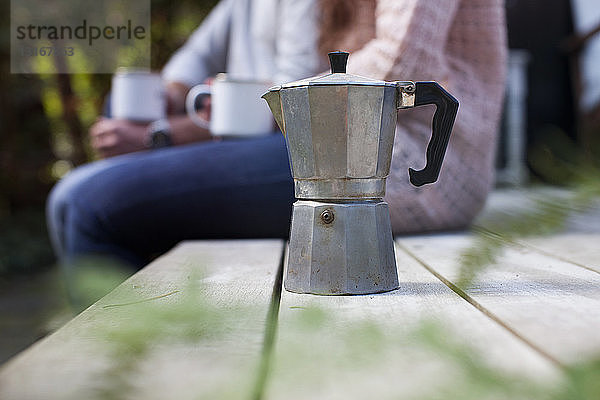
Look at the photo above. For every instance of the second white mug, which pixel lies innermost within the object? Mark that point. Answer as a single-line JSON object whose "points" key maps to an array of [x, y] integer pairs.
{"points": [[236, 107]]}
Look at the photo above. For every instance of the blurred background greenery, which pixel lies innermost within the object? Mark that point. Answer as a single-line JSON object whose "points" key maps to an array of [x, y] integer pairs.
{"points": [[44, 121]]}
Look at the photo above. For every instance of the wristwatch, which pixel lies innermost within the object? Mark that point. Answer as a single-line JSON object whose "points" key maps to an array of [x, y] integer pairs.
{"points": [[159, 134]]}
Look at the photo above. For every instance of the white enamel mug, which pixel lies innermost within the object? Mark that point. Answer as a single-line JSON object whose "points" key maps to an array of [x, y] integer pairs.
{"points": [[236, 107], [138, 95]]}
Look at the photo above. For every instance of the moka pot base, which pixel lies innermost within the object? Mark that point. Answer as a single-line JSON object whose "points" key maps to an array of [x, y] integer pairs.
{"points": [[341, 248]]}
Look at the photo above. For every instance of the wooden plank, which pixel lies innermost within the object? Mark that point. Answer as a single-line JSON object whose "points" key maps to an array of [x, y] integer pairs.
{"points": [[551, 304], [581, 249], [579, 239], [513, 204], [202, 323], [381, 346]]}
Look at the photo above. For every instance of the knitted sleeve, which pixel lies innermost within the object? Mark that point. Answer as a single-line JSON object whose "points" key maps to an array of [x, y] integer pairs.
{"points": [[409, 41]]}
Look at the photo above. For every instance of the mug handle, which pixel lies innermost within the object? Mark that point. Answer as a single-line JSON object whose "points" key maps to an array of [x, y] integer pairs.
{"points": [[190, 105]]}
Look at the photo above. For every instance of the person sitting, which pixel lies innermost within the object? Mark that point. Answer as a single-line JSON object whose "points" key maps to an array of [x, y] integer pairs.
{"points": [[139, 202], [134, 205]]}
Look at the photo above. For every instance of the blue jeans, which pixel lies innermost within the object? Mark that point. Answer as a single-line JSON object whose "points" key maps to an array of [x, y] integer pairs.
{"points": [[139, 205]]}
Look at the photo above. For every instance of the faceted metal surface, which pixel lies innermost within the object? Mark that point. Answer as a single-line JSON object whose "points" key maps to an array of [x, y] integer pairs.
{"points": [[337, 79], [340, 189], [341, 248], [339, 133], [296, 116]]}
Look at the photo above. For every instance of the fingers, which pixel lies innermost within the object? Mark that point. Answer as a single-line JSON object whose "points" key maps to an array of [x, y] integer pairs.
{"points": [[106, 137], [107, 146], [111, 137], [103, 136], [176, 98]]}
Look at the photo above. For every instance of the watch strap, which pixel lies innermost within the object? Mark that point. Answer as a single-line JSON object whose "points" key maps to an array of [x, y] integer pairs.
{"points": [[159, 134]]}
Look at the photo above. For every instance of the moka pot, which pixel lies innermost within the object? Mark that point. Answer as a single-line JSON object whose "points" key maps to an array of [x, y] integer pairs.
{"points": [[339, 130]]}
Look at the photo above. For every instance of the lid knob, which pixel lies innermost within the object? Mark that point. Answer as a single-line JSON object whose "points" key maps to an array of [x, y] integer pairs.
{"points": [[338, 60]]}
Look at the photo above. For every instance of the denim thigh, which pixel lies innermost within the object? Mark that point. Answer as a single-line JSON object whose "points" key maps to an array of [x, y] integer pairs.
{"points": [[146, 202]]}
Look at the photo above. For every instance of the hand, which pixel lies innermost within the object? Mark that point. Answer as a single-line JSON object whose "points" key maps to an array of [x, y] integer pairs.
{"points": [[205, 107], [111, 137], [176, 93], [204, 112]]}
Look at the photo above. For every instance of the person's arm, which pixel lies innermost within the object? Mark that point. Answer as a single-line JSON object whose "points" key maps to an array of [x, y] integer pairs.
{"points": [[409, 41], [296, 44], [203, 55], [112, 137]]}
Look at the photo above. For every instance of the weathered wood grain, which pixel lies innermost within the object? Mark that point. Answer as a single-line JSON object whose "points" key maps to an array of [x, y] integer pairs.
{"points": [[211, 323], [577, 240], [401, 344], [582, 249], [552, 305]]}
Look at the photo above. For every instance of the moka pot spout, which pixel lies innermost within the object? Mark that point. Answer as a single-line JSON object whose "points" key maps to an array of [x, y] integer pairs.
{"points": [[274, 101]]}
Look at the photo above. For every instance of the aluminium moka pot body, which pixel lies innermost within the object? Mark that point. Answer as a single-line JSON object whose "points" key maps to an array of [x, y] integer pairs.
{"points": [[339, 130]]}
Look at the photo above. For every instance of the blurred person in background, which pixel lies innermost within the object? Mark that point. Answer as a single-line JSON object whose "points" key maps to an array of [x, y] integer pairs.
{"points": [[140, 204], [140, 201], [462, 45]]}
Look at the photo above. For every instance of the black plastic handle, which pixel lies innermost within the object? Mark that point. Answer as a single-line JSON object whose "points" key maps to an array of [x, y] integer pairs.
{"points": [[443, 121]]}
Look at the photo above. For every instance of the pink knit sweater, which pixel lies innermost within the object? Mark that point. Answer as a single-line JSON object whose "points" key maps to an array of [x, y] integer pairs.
{"points": [[462, 45]]}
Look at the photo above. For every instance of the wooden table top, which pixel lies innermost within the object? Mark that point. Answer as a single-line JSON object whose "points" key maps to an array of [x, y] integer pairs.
{"points": [[210, 320]]}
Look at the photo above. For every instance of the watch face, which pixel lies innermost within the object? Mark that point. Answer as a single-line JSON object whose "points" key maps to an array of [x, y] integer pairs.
{"points": [[160, 139]]}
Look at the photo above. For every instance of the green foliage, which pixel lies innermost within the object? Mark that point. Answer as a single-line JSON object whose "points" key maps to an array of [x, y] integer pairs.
{"points": [[24, 243], [477, 378], [90, 278], [370, 357], [137, 327], [583, 381], [38, 145], [37, 149], [565, 164]]}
